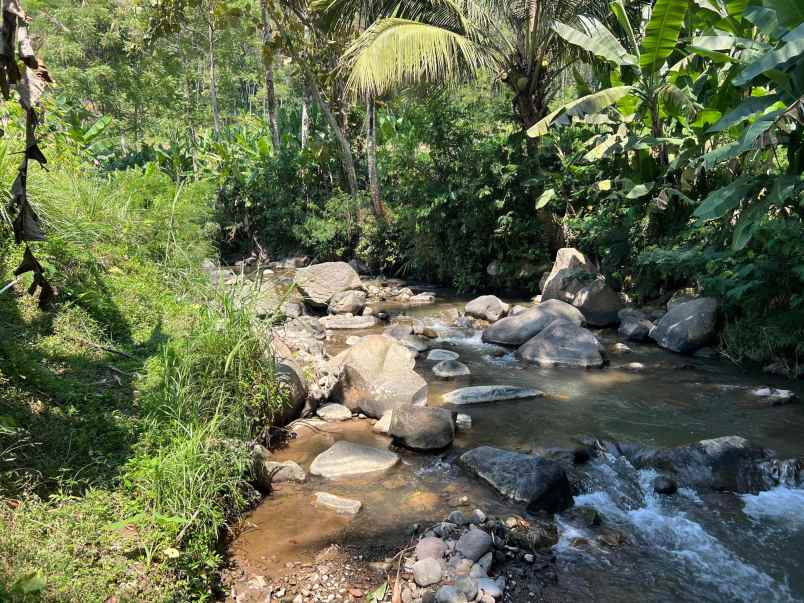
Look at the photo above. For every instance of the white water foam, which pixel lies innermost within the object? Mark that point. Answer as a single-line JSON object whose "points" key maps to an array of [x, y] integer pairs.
{"points": [[661, 525], [781, 504]]}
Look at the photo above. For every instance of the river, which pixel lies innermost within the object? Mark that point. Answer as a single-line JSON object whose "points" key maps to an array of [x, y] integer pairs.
{"points": [[693, 546]]}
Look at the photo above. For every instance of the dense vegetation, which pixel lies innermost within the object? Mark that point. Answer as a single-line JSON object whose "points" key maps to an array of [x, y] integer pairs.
{"points": [[669, 147]]}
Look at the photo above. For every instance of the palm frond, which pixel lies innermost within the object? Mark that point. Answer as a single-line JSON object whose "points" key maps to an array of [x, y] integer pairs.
{"points": [[396, 51]]}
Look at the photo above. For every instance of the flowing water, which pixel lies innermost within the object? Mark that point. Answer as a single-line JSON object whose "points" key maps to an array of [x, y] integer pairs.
{"points": [[699, 546]]}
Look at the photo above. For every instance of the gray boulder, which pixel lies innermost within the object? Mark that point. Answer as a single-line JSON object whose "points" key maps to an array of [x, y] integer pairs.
{"points": [[479, 394], [540, 483], [487, 307], [320, 282], [449, 369], [516, 330], [347, 302], [687, 326], [422, 428], [598, 303], [473, 544], [634, 325], [377, 375], [344, 459], [563, 343]]}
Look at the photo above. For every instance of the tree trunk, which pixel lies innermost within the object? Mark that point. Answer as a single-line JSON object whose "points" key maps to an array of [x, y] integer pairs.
{"points": [[270, 94], [304, 134], [213, 88], [347, 161], [371, 158]]}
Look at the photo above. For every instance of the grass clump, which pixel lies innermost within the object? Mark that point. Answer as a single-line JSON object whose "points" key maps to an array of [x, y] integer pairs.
{"points": [[126, 411]]}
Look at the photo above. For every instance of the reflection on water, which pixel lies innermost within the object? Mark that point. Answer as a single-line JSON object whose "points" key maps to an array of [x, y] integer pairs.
{"points": [[692, 546]]}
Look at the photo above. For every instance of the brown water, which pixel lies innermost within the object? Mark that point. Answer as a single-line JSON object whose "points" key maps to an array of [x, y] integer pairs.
{"points": [[692, 546]]}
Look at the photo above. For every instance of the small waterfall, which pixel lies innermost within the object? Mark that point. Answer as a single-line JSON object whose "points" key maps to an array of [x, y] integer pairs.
{"points": [[669, 532]]}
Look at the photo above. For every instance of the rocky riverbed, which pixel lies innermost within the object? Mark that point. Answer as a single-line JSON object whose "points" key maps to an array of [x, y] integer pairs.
{"points": [[577, 433]]}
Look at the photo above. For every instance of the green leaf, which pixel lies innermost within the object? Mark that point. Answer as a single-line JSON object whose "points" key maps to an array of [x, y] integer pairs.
{"points": [[790, 12], [618, 8], [598, 40], [591, 103], [717, 57], [745, 110], [746, 142], [765, 19], [661, 33], [723, 199], [378, 594], [545, 198], [639, 191], [794, 47], [746, 225]]}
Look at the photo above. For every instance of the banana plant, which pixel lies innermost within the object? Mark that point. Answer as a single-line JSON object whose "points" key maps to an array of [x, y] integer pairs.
{"points": [[641, 82]]}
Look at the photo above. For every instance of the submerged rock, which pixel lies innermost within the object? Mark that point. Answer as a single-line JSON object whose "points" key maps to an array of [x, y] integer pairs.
{"points": [[540, 483], [687, 326], [487, 307], [664, 485], [489, 393], [516, 330], [344, 458], [377, 375], [320, 282], [342, 506], [449, 369], [439, 355], [774, 396], [563, 343], [422, 428]]}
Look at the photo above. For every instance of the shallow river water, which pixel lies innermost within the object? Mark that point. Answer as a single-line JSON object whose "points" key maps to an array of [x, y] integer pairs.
{"points": [[694, 546]]}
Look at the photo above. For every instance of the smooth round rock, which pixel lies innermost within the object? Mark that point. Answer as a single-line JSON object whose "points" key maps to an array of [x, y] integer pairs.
{"points": [[334, 412], [449, 369], [427, 571]]}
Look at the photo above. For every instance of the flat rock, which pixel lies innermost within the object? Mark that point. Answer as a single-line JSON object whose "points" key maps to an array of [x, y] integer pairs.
{"points": [[540, 483], [342, 506], [344, 458], [438, 355], [344, 321], [516, 330], [449, 369], [563, 343], [489, 393], [334, 412]]}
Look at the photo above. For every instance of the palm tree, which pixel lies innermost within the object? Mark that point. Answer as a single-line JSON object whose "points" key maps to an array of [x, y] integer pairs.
{"points": [[444, 41]]}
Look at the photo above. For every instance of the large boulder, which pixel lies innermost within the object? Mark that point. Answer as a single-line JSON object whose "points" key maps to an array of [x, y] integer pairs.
{"points": [[563, 343], [377, 375], [634, 325], [487, 307], [598, 303], [562, 281], [320, 282], [687, 326], [540, 483], [344, 459], [516, 330], [422, 428], [347, 302]]}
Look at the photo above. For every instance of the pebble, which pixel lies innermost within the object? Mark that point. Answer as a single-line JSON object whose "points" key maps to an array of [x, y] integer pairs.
{"points": [[427, 571], [463, 421]]}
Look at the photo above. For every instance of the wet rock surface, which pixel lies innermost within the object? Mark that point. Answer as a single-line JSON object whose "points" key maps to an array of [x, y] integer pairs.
{"points": [[345, 459], [516, 330]]}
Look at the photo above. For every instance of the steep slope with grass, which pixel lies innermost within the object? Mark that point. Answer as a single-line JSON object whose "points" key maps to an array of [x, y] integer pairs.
{"points": [[125, 411]]}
